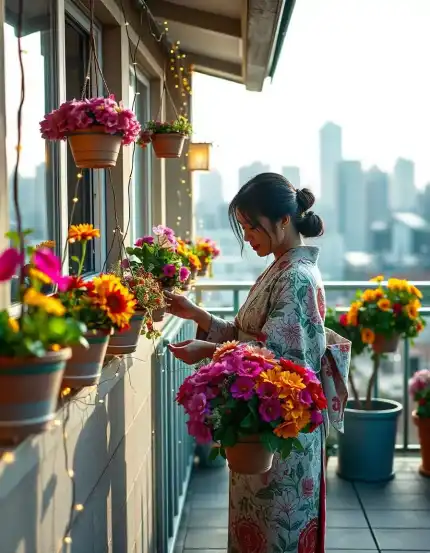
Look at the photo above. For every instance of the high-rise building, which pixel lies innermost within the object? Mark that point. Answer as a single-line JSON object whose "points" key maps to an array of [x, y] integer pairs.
{"points": [[330, 157], [377, 200], [247, 172], [208, 188], [351, 213], [292, 174], [403, 190]]}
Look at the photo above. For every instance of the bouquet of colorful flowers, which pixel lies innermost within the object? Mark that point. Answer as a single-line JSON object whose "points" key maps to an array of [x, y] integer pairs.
{"points": [[189, 258], [43, 325], [181, 126], [206, 250], [419, 389], [245, 394], [159, 257], [77, 115], [340, 325], [386, 313]]}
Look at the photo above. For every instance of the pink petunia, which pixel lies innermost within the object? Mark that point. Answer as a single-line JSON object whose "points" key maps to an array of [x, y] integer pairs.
{"points": [[270, 409], [48, 263], [184, 273], [242, 388], [196, 405], [144, 240], [10, 259], [169, 270], [200, 431]]}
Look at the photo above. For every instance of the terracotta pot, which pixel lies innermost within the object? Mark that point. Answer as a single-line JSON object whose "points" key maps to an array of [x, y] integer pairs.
{"points": [[85, 366], [29, 388], [93, 148], [124, 342], [385, 345], [423, 425], [249, 456], [168, 145], [204, 270], [158, 314]]}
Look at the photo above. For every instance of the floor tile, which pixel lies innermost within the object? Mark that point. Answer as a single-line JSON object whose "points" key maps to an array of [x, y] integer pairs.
{"points": [[346, 519], [401, 502], [339, 538], [209, 518], [411, 486], [342, 502], [199, 539], [399, 519], [412, 540], [209, 501]]}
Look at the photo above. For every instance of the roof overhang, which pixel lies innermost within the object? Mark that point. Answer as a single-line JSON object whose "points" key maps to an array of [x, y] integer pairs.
{"points": [[238, 40]]}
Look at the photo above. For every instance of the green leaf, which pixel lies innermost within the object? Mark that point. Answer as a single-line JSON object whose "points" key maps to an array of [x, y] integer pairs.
{"points": [[286, 448], [297, 445], [270, 441], [215, 451], [75, 259], [222, 452], [230, 437], [248, 421]]}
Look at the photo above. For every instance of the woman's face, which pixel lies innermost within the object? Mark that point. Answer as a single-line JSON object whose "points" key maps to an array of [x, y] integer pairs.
{"points": [[263, 241]]}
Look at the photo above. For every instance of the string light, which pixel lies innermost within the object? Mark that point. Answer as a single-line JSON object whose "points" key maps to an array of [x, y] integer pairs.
{"points": [[8, 457], [79, 507]]}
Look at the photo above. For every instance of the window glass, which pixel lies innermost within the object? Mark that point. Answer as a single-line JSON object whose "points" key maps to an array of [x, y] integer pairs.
{"points": [[36, 173]]}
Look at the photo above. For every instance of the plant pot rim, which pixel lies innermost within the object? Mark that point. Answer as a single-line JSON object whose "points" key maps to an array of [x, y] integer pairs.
{"points": [[417, 418], [50, 357], [393, 407], [94, 129], [169, 134], [98, 332]]}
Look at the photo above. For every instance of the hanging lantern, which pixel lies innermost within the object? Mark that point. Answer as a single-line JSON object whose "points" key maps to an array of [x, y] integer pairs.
{"points": [[199, 156]]}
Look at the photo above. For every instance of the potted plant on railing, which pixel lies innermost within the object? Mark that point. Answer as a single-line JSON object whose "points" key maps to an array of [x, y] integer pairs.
{"points": [[159, 257], [419, 389], [103, 304], [382, 315], [95, 129], [189, 260], [248, 402], [206, 250], [34, 347], [167, 138]]}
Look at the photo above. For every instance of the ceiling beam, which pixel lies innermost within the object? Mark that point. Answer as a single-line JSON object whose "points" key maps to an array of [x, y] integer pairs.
{"points": [[209, 65], [162, 9]]}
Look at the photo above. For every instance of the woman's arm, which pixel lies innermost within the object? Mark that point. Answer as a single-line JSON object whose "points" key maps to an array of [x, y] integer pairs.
{"points": [[217, 331]]}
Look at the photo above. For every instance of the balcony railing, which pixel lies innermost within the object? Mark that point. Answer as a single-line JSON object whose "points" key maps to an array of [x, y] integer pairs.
{"points": [[399, 367]]}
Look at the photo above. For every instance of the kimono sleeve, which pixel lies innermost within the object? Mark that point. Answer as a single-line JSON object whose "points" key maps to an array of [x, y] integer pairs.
{"points": [[294, 328], [219, 331]]}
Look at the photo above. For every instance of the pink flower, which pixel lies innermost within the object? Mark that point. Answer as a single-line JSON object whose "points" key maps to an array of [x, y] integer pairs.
{"points": [[270, 409], [197, 404], [242, 388], [144, 240], [125, 263], [267, 390], [307, 487], [48, 263], [316, 418], [200, 431], [305, 397], [184, 273], [10, 259], [169, 270], [252, 368]]}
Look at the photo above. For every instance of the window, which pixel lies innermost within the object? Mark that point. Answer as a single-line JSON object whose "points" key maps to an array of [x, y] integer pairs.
{"points": [[38, 167], [91, 186], [140, 186]]}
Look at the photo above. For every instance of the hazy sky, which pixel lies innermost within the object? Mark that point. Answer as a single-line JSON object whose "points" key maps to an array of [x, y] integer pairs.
{"points": [[363, 64]]}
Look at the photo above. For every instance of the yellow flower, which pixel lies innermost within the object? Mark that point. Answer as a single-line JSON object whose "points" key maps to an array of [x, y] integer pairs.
{"points": [[352, 317], [13, 324], [384, 304], [378, 278], [367, 336], [368, 295], [416, 291], [46, 244], [114, 298], [80, 233], [55, 347], [411, 310], [288, 381], [194, 261], [38, 275], [51, 305]]}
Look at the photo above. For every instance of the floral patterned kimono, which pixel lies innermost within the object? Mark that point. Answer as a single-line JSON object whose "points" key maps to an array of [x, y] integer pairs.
{"points": [[284, 510]]}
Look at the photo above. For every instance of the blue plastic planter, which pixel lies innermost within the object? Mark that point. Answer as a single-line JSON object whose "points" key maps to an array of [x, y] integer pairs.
{"points": [[366, 449]]}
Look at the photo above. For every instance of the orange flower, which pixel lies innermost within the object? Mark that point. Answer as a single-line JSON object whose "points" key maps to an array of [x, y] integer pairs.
{"points": [[288, 429], [378, 278], [411, 310], [46, 244], [367, 336], [368, 295], [114, 298], [416, 291], [223, 349], [384, 304], [379, 293], [80, 233]]}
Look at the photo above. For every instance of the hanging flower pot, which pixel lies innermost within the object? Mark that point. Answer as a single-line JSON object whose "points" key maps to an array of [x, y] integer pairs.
{"points": [[158, 315], [123, 342], [423, 425], [93, 148], [95, 128], [29, 388], [168, 146], [167, 137], [249, 456], [85, 366], [382, 344], [203, 272]]}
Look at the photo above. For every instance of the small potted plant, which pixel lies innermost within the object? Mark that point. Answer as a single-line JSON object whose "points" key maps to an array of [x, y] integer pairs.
{"points": [[95, 129], [419, 389], [159, 257], [149, 304], [167, 138], [189, 260], [378, 317], [248, 402], [206, 250], [103, 304], [34, 347]]}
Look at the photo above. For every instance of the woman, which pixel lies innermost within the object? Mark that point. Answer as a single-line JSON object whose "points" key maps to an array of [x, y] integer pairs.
{"points": [[284, 509]]}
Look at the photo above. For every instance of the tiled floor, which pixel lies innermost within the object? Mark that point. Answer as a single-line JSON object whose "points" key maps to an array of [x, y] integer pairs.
{"points": [[390, 518]]}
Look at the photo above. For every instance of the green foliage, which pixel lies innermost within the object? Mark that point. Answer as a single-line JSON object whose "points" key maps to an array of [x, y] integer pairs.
{"points": [[181, 125]]}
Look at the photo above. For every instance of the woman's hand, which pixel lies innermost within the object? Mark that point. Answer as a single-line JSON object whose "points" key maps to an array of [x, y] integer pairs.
{"points": [[182, 307], [192, 351]]}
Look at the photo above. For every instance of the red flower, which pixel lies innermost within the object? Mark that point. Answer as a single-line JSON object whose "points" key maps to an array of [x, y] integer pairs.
{"points": [[397, 308], [290, 366], [249, 537], [343, 319], [309, 538], [307, 487]]}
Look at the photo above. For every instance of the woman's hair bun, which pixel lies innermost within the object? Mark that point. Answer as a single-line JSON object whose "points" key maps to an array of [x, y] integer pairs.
{"points": [[305, 199]]}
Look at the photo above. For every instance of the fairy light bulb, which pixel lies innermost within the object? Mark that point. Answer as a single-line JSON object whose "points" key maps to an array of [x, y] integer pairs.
{"points": [[71, 473], [8, 457], [79, 507], [67, 539]]}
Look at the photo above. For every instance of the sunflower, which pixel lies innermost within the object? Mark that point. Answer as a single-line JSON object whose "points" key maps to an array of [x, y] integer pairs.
{"points": [[49, 304], [367, 336], [384, 304], [223, 349], [114, 299], [81, 233]]}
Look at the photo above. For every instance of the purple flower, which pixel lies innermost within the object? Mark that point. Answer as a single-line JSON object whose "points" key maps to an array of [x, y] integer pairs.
{"points": [[305, 397], [200, 431], [197, 404], [267, 390], [270, 409], [242, 388], [316, 417], [250, 368], [144, 240], [169, 270], [184, 273], [125, 263]]}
